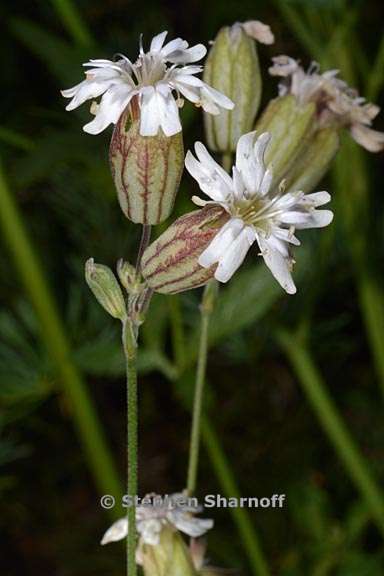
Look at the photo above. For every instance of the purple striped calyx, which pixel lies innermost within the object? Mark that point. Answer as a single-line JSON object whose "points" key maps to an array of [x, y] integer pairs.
{"points": [[146, 170], [170, 263]]}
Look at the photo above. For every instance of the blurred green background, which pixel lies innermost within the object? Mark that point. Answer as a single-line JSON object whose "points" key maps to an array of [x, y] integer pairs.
{"points": [[296, 384]]}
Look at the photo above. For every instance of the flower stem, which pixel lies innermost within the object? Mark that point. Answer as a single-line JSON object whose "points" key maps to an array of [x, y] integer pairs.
{"points": [[333, 425], [144, 242], [130, 351], [206, 309]]}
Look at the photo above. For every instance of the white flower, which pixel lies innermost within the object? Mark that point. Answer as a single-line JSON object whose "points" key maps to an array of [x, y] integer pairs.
{"points": [[256, 214], [152, 81], [336, 101], [173, 512]]}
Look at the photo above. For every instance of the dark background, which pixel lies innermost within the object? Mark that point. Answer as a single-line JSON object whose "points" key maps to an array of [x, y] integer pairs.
{"points": [[268, 349]]}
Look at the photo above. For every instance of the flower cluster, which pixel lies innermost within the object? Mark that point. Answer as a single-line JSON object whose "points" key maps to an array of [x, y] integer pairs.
{"points": [[262, 200], [336, 101]]}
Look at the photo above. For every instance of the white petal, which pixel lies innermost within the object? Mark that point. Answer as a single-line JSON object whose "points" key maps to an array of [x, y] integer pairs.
{"points": [[194, 527], [221, 242], [102, 74], [150, 116], [69, 92], [259, 31], [215, 168], [169, 115], [239, 190], [278, 265], [85, 91], [211, 177], [188, 79], [191, 93], [100, 63], [279, 245], [250, 159], [210, 96], [286, 235], [186, 70], [117, 531], [316, 219], [266, 182], [112, 105], [233, 257], [371, 140], [317, 198], [295, 218], [158, 41], [174, 46], [184, 56]]}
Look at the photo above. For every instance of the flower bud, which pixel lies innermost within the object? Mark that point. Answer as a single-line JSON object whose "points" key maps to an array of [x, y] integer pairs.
{"points": [[171, 557], [290, 125], [170, 263], [106, 289], [146, 170], [129, 277], [232, 67], [314, 162]]}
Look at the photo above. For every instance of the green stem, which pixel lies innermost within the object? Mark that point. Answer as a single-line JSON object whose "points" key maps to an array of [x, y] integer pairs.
{"points": [[130, 350], [248, 536], [55, 339], [333, 425], [206, 309], [144, 243]]}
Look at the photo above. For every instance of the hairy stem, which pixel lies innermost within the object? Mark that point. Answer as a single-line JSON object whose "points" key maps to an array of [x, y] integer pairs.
{"points": [[144, 242], [130, 351], [206, 308]]}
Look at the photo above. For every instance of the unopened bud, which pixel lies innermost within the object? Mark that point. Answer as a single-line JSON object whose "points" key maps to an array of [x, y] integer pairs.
{"points": [[128, 277], [170, 263], [232, 67], [290, 125], [106, 289], [146, 170], [314, 162], [171, 557]]}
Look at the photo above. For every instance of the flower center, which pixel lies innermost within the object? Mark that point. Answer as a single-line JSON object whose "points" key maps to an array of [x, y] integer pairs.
{"points": [[149, 69], [258, 212]]}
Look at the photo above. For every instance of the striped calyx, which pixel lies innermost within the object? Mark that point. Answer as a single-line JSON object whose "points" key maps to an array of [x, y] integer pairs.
{"points": [[146, 170], [291, 126], [170, 263], [315, 161], [232, 67]]}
